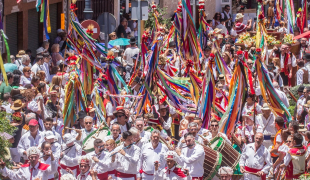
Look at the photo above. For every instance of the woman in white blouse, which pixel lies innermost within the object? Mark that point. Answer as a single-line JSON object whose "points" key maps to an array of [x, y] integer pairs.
{"points": [[26, 77]]}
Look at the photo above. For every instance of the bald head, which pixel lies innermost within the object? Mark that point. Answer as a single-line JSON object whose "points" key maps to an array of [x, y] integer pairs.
{"points": [[259, 138], [275, 85]]}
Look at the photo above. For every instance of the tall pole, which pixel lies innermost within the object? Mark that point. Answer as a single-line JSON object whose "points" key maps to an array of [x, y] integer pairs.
{"points": [[88, 12], [194, 12], [139, 23]]}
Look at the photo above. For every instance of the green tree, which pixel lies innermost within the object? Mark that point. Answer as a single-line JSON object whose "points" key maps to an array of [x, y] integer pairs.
{"points": [[5, 127], [150, 23]]}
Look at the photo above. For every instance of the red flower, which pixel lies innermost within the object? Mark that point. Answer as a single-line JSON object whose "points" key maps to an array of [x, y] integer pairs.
{"points": [[239, 52], [261, 16], [110, 57], [90, 32], [73, 7], [212, 55], [258, 50]]}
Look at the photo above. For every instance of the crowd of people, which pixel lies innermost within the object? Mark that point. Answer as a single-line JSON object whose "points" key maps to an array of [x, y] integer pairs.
{"points": [[162, 142]]}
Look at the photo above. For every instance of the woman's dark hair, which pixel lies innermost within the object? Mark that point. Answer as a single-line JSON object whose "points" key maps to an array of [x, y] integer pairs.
{"points": [[14, 92], [43, 145], [285, 134], [35, 79], [16, 71], [41, 86], [54, 70], [280, 121], [126, 134], [16, 80], [62, 66], [308, 135], [49, 119], [295, 125], [9, 75], [216, 14], [298, 138]]}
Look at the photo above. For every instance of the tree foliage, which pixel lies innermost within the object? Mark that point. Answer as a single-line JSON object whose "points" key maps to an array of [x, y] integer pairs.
{"points": [[5, 127], [150, 23]]}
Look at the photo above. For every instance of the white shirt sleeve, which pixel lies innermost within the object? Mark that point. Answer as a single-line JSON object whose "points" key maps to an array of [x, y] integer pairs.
{"points": [[299, 76], [268, 163], [279, 139], [16, 175], [194, 157], [167, 125], [109, 109], [287, 159]]}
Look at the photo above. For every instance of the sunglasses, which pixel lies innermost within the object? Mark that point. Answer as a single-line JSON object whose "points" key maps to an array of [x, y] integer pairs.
{"points": [[288, 141], [100, 146], [89, 123], [214, 125], [28, 71], [120, 116]]}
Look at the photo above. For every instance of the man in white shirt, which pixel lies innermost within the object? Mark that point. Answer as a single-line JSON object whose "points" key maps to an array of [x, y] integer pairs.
{"points": [[32, 170], [150, 153], [48, 126], [222, 27], [37, 66], [171, 172], [202, 130], [116, 136], [129, 53], [255, 158], [193, 129], [85, 163], [25, 60], [281, 94], [55, 146], [33, 138], [70, 152], [214, 131], [285, 64], [46, 65], [127, 158], [164, 118], [122, 119], [139, 124], [99, 157], [192, 157], [226, 173], [266, 121], [137, 139], [81, 134]]}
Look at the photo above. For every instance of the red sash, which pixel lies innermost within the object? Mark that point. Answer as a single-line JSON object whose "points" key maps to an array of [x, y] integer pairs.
{"points": [[112, 172], [103, 176], [141, 172], [61, 166], [252, 170], [295, 151], [195, 178], [125, 175], [179, 172], [285, 69]]}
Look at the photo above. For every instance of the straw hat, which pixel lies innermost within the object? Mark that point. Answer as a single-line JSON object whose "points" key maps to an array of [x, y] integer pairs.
{"points": [[20, 53], [239, 16], [17, 105], [308, 104], [265, 107]]}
